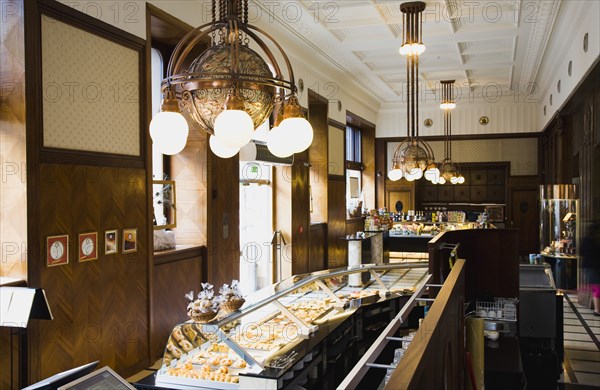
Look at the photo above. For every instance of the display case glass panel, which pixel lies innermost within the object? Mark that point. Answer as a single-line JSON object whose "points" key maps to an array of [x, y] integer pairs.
{"points": [[559, 210]]}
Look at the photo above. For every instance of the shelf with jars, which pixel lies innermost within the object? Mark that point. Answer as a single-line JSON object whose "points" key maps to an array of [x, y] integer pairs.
{"points": [[283, 334]]}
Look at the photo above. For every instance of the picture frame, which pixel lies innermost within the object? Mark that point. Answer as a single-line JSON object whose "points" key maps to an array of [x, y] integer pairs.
{"points": [[57, 250], [87, 244], [130, 240], [496, 213], [111, 242]]}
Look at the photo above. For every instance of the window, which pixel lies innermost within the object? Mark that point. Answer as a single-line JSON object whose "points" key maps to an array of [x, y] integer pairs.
{"points": [[353, 145]]}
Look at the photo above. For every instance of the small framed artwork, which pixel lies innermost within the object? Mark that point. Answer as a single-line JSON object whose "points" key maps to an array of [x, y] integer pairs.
{"points": [[130, 240], [88, 246], [111, 242], [57, 250], [496, 213]]}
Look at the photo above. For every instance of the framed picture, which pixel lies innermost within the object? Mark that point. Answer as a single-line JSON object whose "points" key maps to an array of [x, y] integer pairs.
{"points": [[111, 242], [57, 250], [496, 213], [130, 240], [88, 246]]}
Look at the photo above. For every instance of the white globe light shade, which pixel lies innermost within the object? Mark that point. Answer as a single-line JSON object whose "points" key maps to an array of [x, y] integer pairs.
{"points": [[395, 174], [278, 143], [300, 132], [461, 179], [454, 180], [432, 174], [169, 131], [404, 49], [220, 149], [420, 49], [441, 180], [234, 128], [414, 174]]}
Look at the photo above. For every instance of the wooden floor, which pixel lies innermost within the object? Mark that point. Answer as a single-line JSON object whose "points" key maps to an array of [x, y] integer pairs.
{"points": [[582, 348]]}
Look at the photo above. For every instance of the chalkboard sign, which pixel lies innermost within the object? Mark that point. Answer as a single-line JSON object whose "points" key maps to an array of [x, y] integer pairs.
{"points": [[101, 379]]}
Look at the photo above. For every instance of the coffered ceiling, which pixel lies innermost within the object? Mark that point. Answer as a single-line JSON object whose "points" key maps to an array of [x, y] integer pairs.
{"points": [[487, 46]]}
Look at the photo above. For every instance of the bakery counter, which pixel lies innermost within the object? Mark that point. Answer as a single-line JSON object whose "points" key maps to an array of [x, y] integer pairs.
{"points": [[289, 334]]}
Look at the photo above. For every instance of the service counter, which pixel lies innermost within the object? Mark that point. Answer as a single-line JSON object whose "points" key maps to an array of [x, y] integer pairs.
{"points": [[308, 329]]}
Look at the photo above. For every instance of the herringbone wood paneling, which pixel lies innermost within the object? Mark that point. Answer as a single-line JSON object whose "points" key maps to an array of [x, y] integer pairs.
{"points": [[100, 307], [171, 282]]}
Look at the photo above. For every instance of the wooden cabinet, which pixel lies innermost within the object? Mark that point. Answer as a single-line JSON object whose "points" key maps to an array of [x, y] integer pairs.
{"points": [[484, 183]]}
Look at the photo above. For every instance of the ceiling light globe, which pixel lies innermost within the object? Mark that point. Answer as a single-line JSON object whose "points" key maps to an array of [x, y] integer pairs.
{"points": [[169, 131], [279, 143], [404, 49], [395, 174], [220, 149], [234, 128], [420, 49], [454, 180], [441, 180], [461, 179], [301, 131], [432, 174]]}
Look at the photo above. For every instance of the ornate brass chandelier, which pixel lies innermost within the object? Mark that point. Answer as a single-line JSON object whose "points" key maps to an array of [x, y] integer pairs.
{"points": [[413, 156], [449, 170], [229, 89]]}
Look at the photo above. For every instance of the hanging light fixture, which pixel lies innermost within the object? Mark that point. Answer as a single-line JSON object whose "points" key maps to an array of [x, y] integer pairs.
{"points": [[449, 170], [413, 157], [229, 89]]}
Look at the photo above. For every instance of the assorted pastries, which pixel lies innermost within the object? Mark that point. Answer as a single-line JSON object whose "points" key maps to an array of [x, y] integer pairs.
{"points": [[212, 364]]}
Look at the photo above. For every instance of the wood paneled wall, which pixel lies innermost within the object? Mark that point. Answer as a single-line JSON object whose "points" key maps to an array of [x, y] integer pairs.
{"points": [[336, 224], [223, 219], [100, 307], [13, 182], [175, 274], [318, 247], [570, 154], [317, 156], [300, 214]]}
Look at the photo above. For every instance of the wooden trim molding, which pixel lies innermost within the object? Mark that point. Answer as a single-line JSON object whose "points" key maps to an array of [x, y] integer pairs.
{"points": [[336, 124], [359, 122], [467, 137], [172, 256]]}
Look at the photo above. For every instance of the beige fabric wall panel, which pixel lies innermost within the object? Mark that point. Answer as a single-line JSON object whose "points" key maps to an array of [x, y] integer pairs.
{"points": [[90, 91]]}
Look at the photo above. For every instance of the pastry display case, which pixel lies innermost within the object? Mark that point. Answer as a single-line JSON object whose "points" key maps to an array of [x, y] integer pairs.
{"points": [[279, 329], [559, 220], [559, 210]]}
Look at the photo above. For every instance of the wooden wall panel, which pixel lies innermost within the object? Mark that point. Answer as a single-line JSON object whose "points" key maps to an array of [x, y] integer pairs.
{"points": [[368, 172], [336, 225], [318, 156], [223, 208], [300, 214], [318, 247], [381, 172], [100, 307], [172, 280], [13, 192]]}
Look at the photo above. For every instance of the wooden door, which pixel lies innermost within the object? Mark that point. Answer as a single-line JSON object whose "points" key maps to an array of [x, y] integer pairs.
{"points": [[525, 217], [403, 196]]}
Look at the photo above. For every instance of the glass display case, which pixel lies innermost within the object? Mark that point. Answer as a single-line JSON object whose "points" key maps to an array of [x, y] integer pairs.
{"points": [[277, 328], [559, 213]]}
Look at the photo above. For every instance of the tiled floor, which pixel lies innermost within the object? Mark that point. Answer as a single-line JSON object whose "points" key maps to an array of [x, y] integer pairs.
{"points": [[582, 353]]}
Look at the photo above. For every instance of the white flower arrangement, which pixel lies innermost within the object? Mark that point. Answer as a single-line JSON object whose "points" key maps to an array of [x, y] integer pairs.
{"points": [[205, 303], [230, 293]]}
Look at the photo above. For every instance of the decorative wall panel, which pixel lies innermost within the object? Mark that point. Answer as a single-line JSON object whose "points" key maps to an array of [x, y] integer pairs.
{"points": [[522, 153], [100, 307], [90, 91]]}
